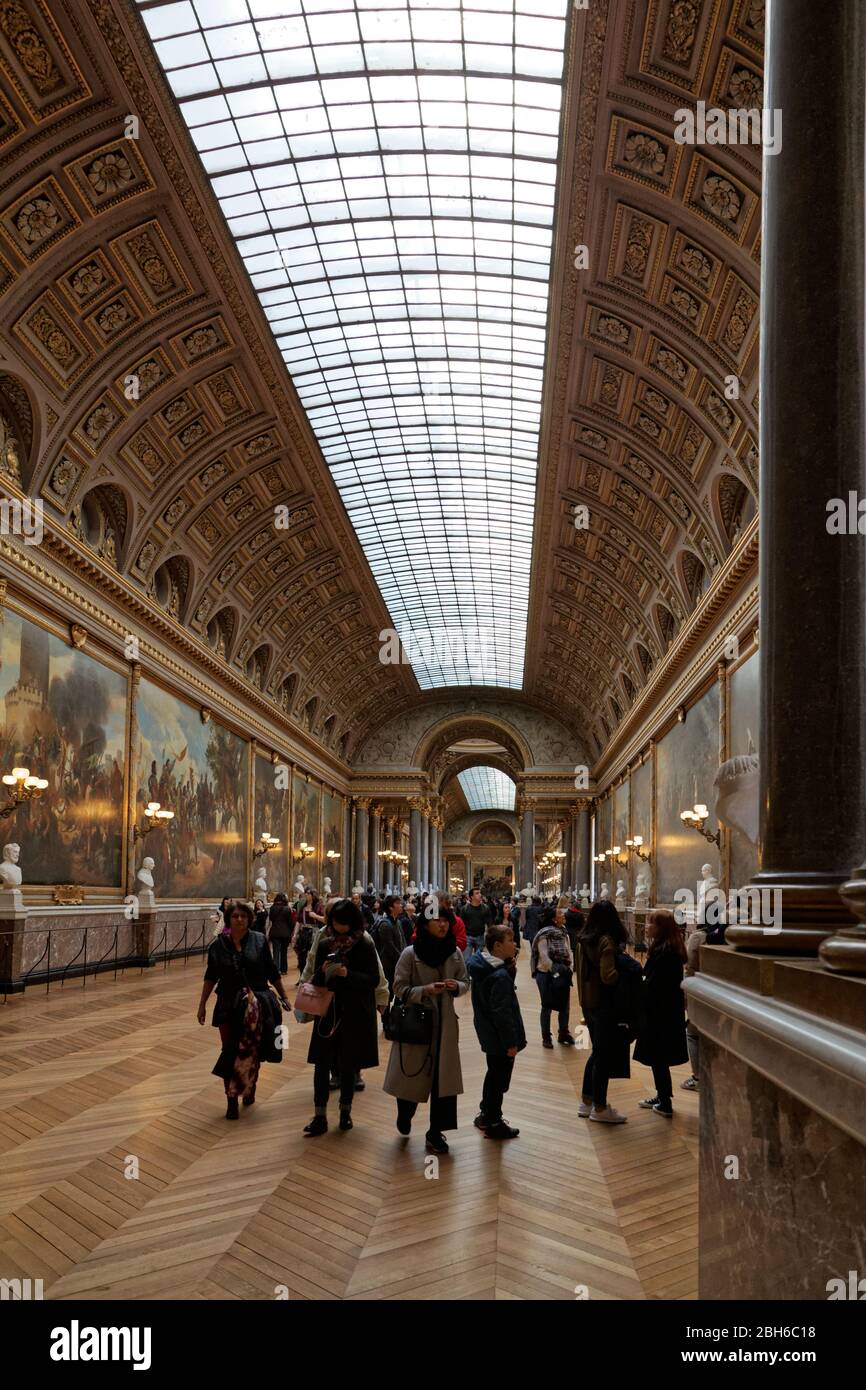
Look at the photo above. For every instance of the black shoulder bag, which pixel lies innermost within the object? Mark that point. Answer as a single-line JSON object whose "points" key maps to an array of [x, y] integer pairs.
{"points": [[409, 1024]]}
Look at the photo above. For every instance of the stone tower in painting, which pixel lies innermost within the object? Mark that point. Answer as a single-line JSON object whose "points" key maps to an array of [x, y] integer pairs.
{"points": [[27, 709]]}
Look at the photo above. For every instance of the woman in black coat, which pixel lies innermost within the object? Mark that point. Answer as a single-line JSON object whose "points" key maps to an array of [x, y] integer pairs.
{"points": [[282, 925], [345, 1040], [661, 1042]]}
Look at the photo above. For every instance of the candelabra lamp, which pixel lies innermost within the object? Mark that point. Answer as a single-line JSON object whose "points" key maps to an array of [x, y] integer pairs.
{"points": [[154, 818], [305, 851], [22, 787], [267, 843], [635, 846], [697, 818]]}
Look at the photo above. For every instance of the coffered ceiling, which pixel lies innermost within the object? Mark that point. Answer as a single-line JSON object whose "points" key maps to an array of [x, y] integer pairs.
{"points": [[164, 434], [651, 421]]}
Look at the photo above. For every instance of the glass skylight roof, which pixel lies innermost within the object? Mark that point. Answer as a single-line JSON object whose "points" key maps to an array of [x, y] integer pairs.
{"points": [[388, 170], [486, 788]]}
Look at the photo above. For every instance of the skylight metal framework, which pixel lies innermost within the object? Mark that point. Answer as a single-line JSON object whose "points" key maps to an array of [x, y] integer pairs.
{"points": [[487, 789], [388, 170]]}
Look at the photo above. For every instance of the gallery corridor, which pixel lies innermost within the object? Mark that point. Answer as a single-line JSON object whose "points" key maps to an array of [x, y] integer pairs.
{"points": [[93, 1079]]}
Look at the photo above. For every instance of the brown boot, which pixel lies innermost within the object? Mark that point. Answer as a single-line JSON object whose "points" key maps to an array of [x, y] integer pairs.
{"points": [[232, 1112]]}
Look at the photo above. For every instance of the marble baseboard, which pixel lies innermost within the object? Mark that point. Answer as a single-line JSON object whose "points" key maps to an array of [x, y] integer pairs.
{"points": [[795, 1217]]}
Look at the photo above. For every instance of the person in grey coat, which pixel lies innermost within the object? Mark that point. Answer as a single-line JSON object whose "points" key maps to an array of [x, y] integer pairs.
{"points": [[431, 973]]}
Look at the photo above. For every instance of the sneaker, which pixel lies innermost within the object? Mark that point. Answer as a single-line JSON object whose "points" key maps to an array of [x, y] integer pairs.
{"points": [[501, 1130], [566, 1039], [691, 1083], [608, 1116], [665, 1109], [404, 1127], [436, 1143], [480, 1121], [232, 1112], [584, 1110], [547, 1042], [318, 1125], [649, 1104], [346, 1119]]}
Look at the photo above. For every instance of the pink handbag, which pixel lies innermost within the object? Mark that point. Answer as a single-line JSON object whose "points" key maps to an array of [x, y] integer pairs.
{"points": [[313, 999]]}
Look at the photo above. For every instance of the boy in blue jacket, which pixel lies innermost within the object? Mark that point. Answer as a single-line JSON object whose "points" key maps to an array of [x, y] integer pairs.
{"points": [[498, 1023]]}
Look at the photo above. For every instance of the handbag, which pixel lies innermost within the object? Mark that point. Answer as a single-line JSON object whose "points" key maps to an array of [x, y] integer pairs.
{"points": [[407, 1023], [313, 999]]}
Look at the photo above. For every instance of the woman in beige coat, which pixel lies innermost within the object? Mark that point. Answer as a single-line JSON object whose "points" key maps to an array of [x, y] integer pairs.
{"points": [[432, 973]]}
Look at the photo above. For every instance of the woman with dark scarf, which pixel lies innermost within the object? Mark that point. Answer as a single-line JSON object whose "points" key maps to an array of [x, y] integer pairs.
{"points": [[432, 973], [345, 1039], [240, 964], [552, 967]]}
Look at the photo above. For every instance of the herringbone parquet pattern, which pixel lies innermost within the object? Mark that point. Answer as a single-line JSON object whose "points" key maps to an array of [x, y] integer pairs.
{"points": [[114, 1078]]}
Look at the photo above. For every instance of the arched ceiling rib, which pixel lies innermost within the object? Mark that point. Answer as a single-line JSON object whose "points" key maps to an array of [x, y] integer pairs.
{"points": [[653, 397]]}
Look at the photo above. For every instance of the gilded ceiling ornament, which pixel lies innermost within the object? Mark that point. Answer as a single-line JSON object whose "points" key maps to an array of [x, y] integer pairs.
{"points": [[109, 172], [718, 411], [206, 714], [214, 473], [149, 374], [62, 477], [87, 280], [27, 44], [77, 635], [53, 338], [671, 364], [146, 556], [98, 424], [640, 235], [720, 196], [695, 263], [37, 220], [108, 548], [644, 153], [681, 30], [149, 262], [201, 340], [113, 317], [613, 329], [684, 303], [746, 89]]}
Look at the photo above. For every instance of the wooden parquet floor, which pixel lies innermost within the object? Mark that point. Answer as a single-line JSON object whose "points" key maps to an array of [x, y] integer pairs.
{"points": [[93, 1079]]}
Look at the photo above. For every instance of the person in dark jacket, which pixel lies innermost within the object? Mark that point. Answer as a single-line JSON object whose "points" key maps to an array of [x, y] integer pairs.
{"points": [[346, 1038], [573, 924], [552, 968], [240, 964], [603, 936], [476, 919], [498, 1023], [389, 934], [661, 1043], [282, 926], [532, 924]]}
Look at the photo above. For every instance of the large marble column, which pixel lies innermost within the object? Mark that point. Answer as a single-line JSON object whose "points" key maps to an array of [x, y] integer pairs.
{"points": [[362, 816], [432, 853], [345, 875], [415, 828], [374, 844], [813, 449], [527, 842], [425, 847], [467, 874], [582, 854]]}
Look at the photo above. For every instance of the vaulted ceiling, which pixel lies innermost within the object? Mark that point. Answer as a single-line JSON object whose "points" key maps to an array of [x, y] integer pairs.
{"points": [[651, 420], [165, 434]]}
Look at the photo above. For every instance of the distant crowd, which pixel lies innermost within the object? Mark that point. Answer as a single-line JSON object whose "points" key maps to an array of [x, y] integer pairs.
{"points": [[407, 959]]}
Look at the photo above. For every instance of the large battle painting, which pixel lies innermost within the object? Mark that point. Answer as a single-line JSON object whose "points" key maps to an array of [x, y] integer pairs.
{"points": [[306, 799], [641, 815], [621, 833], [687, 762], [332, 837], [64, 717], [199, 771], [271, 813]]}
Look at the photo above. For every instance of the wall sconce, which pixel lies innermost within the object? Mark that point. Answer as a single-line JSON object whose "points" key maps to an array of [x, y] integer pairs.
{"points": [[22, 787], [696, 818], [634, 845], [305, 852], [614, 853], [332, 854], [267, 842], [154, 817]]}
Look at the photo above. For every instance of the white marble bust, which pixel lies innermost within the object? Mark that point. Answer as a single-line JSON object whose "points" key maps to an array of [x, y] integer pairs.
{"points": [[584, 896], [145, 873], [604, 893], [261, 883], [641, 890], [10, 874], [620, 895], [326, 889], [299, 886], [708, 885]]}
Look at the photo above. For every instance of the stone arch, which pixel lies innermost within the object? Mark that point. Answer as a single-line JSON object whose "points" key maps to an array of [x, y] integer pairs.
{"points": [[221, 631], [431, 752], [171, 586], [734, 505], [695, 578], [17, 431], [257, 665], [101, 520], [498, 821]]}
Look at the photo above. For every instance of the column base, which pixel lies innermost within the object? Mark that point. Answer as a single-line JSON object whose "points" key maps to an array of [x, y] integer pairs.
{"points": [[811, 910], [845, 950]]}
